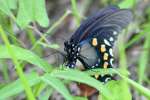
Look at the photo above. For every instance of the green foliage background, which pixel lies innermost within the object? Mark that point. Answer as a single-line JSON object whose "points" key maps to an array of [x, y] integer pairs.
{"points": [[31, 16]]}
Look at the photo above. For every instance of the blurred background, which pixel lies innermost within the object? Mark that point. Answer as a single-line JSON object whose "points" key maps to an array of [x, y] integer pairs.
{"points": [[64, 17]]}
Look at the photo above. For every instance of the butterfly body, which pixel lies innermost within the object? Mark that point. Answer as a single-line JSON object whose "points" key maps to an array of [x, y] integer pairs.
{"points": [[102, 49], [93, 41], [72, 49]]}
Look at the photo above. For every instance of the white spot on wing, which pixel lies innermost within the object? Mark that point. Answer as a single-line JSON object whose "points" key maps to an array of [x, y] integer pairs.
{"points": [[79, 48], [107, 42], [111, 51], [114, 33], [96, 65], [93, 66], [111, 39], [72, 66], [107, 79], [111, 61]]}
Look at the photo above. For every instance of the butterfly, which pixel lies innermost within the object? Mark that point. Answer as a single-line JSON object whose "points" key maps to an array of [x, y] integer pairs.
{"points": [[92, 43]]}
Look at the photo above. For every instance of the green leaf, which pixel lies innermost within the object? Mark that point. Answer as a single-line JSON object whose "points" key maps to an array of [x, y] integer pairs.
{"points": [[119, 89], [100, 71], [138, 87], [144, 57], [45, 94], [32, 10], [58, 85], [80, 98], [16, 63], [127, 3], [7, 5], [40, 13], [16, 86], [25, 55], [75, 75], [12, 4]]}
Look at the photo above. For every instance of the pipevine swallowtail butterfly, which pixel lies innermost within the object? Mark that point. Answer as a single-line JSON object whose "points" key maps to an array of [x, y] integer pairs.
{"points": [[93, 41]]}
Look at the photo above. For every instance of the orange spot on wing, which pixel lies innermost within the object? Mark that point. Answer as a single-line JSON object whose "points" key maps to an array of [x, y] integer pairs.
{"points": [[105, 57], [105, 65], [96, 76], [103, 48], [94, 42]]}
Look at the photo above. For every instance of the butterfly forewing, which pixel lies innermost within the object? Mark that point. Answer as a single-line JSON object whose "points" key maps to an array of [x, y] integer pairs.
{"points": [[90, 20], [115, 21]]}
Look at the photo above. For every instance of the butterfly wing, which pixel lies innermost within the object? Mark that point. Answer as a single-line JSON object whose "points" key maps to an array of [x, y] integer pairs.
{"points": [[99, 36], [92, 19], [115, 22], [88, 56], [104, 31]]}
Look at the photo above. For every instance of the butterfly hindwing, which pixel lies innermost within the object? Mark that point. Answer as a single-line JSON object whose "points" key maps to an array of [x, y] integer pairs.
{"points": [[89, 56], [103, 32], [103, 35], [98, 53]]}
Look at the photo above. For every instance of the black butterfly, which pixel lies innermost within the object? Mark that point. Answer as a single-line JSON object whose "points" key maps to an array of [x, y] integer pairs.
{"points": [[93, 41]]}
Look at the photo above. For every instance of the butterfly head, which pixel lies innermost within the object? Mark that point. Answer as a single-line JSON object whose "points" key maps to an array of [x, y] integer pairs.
{"points": [[72, 53]]}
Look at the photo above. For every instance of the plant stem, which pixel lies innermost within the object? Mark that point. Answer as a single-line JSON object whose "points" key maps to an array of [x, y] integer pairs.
{"points": [[19, 71]]}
